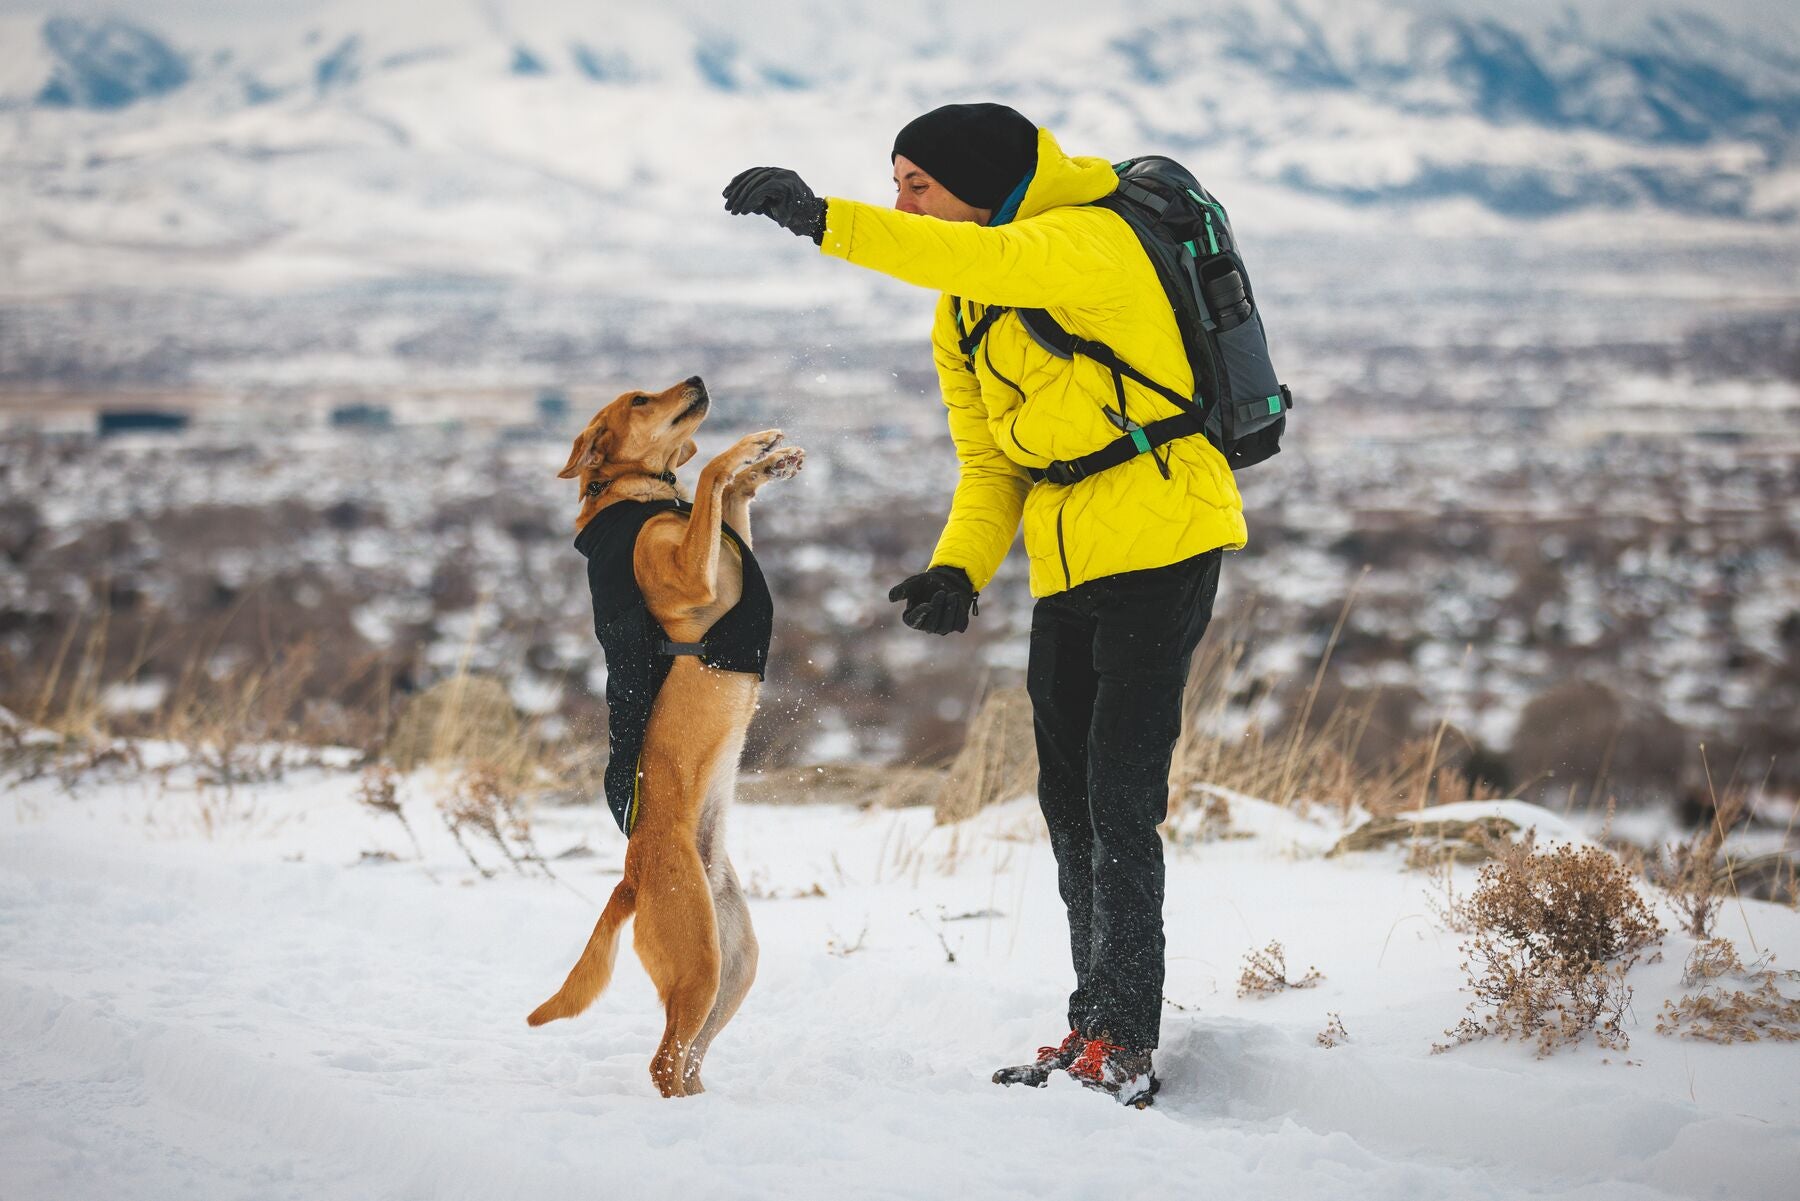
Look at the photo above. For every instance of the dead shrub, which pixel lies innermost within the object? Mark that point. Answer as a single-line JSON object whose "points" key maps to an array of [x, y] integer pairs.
{"points": [[379, 789], [1265, 973], [1334, 1032], [1692, 872], [1554, 936], [1714, 1015], [1709, 960], [1448, 910], [481, 800]]}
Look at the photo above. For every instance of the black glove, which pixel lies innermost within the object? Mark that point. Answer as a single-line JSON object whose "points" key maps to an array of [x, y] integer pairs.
{"points": [[938, 601], [779, 195]]}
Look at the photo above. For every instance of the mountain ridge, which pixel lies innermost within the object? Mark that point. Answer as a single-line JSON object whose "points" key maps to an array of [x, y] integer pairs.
{"points": [[423, 127]]}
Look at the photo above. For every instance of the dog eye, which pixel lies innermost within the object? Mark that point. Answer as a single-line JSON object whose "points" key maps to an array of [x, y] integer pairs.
{"points": [[639, 400]]}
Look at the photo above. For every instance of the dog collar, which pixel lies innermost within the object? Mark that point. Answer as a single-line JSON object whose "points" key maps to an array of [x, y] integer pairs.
{"points": [[596, 487]]}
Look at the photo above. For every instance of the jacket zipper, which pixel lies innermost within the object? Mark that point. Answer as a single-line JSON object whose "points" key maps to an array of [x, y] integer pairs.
{"points": [[1062, 550]]}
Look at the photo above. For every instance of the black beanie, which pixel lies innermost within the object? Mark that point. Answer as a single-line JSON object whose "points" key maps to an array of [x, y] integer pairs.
{"points": [[978, 151]]}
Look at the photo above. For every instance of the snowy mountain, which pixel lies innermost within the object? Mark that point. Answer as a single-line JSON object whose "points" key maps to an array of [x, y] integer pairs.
{"points": [[325, 141]]}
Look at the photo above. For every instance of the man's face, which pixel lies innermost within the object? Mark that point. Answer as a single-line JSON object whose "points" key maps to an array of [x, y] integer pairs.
{"points": [[917, 192]]}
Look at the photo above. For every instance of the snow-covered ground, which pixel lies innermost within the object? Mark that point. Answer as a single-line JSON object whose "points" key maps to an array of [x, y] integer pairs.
{"points": [[221, 994]]}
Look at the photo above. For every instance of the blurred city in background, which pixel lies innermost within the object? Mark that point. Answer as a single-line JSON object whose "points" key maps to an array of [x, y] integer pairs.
{"points": [[301, 304]]}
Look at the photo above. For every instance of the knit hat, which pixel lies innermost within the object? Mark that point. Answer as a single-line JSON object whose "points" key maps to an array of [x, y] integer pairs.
{"points": [[978, 151]]}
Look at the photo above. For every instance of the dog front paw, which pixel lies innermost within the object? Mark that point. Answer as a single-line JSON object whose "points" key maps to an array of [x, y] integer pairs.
{"points": [[744, 453], [785, 465]]}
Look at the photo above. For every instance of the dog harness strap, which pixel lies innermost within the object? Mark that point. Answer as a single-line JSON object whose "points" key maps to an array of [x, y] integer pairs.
{"points": [[681, 648]]}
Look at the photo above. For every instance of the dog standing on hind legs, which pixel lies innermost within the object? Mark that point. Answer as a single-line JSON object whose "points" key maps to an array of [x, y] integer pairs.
{"points": [[683, 614]]}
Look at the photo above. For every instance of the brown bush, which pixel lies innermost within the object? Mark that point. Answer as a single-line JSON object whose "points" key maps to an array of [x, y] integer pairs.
{"points": [[1265, 973], [483, 800], [1714, 1015], [1554, 935], [1692, 873]]}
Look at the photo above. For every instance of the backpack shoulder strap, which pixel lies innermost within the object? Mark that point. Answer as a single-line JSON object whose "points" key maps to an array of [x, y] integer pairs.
{"points": [[1048, 332], [969, 339]]}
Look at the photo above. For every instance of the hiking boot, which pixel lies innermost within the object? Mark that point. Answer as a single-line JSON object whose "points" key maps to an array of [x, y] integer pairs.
{"points": [[1049, 1059], [1109, 1068]]}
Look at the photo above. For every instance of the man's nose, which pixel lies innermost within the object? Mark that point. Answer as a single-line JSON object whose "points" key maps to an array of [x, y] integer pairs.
{"points": [[904, 203]]}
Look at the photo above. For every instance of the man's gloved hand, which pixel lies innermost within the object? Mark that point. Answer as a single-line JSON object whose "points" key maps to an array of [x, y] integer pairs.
{"points": [[938, 600], [779, 195]]}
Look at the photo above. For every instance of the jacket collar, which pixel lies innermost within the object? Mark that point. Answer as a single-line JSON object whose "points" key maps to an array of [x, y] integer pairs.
{"points": [[1057, 180]]}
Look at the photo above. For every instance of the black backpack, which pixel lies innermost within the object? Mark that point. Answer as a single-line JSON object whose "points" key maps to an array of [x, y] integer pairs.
{"points": [[1238, 403]]}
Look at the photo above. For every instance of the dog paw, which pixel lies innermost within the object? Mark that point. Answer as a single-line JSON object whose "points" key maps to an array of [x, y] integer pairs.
{"points": [[759, 446], [746, 452], [785, 465]]}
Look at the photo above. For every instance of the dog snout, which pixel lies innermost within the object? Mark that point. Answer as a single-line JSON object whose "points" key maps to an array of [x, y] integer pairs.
{"points": [[697, 386]]}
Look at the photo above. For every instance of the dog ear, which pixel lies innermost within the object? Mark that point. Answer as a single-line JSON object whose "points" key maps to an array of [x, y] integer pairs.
{"points": [[688, 451], [589, 451]]}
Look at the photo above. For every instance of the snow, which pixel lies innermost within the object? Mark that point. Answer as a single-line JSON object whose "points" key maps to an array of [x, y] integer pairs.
{"points": [[358, 139], [218, 994]]}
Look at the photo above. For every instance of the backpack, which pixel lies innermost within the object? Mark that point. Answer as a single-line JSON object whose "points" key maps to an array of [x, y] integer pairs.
{"points": [[1238, 404]]}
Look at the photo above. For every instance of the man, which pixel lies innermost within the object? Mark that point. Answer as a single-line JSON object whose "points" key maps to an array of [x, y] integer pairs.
{"points": [[1124, 563]]}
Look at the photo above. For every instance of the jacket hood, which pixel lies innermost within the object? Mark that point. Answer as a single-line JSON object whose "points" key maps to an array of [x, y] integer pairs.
{"points": [[1060, 179]]}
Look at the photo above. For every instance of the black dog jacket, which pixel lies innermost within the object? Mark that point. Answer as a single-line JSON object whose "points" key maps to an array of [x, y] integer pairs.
{"points": [[637, 649]]}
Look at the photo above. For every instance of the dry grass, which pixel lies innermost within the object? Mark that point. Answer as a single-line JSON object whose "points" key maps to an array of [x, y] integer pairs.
{"points": [[246, 706], [862, 785], [379, 789], [1554, 935], [1312, 757], [481, 800], [998, 760], [1471, 841], [1334, 1033], [1206, 819], [1265, 973], [1713, 1014], [1697, 874], [1449, 910]]}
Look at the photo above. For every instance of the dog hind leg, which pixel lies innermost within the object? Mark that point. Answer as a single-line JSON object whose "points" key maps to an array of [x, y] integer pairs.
{"points": [[737, 961], [677, 940]]}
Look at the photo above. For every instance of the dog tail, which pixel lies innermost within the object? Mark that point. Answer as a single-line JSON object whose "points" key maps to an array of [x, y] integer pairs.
{"points": [[593, 971]]}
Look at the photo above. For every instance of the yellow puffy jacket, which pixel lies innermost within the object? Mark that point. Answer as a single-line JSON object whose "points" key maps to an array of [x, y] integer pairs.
{"points": [[1023, 407]]}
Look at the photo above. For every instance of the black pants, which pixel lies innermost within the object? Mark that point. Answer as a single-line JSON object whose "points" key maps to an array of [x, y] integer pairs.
{"points": [[1109, 659]]}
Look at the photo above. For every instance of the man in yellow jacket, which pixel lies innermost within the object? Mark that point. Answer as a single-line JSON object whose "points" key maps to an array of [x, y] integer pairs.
{"points": [[1124, 563]]}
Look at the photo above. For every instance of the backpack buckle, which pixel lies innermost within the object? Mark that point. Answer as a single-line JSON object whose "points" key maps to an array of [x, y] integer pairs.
{"points": [[1064, 472]]}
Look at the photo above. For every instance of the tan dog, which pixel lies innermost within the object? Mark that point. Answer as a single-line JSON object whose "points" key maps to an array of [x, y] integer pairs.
{"points": [[693, 927]]}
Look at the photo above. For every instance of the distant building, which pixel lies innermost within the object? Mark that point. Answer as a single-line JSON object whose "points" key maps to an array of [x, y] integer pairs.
{"points": [[140, 421], [361, 416], [552, 407]]}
